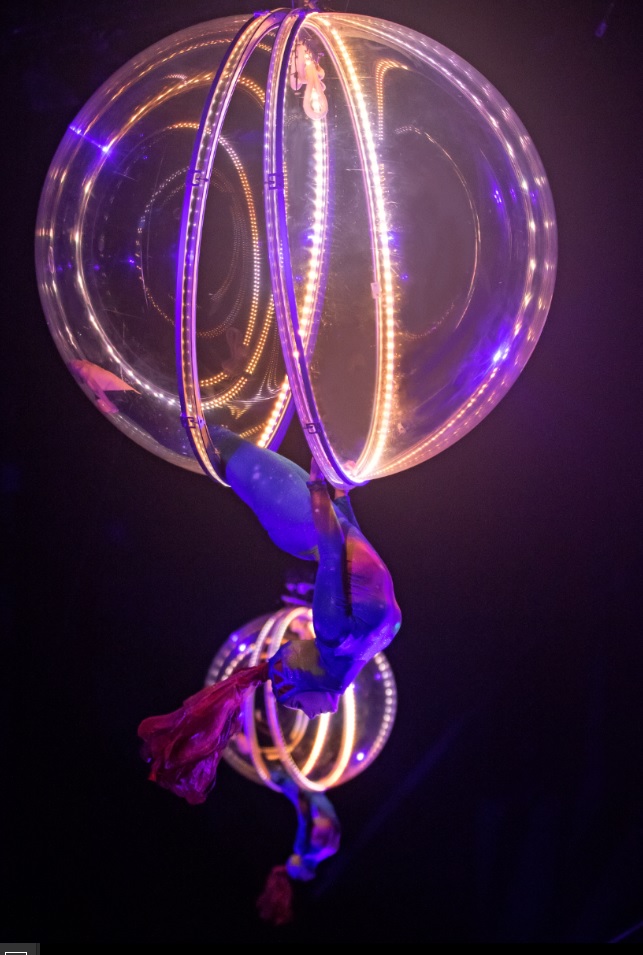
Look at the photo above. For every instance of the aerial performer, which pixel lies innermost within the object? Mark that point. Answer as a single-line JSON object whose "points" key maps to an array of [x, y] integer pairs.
{"points": [[355, 616]]}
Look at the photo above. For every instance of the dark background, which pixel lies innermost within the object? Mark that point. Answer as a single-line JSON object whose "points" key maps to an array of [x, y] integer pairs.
{"points": [[507, 804]]}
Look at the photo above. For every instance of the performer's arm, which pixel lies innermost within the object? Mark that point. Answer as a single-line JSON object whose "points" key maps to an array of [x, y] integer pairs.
{"points": [[343, 503], [331, 605]]}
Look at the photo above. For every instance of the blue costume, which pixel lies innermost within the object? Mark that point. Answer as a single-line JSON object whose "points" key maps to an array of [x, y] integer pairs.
{"points": [[355, 613]]}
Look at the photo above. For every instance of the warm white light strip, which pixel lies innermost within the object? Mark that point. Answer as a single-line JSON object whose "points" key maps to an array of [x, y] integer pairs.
{"points": [[276, 413], [300, 776], [382, 67], [288, 763], [390, 708], [349, 724], [309, 305], [268, 642], [383, 288], [234, 390]]}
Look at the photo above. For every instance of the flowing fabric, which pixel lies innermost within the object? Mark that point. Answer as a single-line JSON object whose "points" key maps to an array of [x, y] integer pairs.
{"points": [[184, 747], [275, 904]]}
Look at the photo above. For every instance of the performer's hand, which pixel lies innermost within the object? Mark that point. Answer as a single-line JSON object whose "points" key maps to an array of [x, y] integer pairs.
{"points": [[340, 492], [316, 473]]}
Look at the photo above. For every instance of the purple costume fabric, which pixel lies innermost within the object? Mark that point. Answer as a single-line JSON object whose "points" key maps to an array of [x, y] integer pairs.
{"points": [[355, 613]]}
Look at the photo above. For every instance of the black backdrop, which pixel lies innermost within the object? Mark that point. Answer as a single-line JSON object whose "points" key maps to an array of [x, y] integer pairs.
{"points": [[506, 806]]}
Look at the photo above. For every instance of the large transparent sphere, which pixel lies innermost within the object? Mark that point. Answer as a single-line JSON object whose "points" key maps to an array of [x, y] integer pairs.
{"points": [[318, 205], [317, 754]]}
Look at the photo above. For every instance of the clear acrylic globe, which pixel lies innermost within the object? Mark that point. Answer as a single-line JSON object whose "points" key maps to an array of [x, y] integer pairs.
{"points": [[316, 754], [301, 211]]}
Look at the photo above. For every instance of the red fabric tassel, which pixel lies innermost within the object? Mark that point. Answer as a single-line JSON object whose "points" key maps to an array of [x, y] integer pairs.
{"points": [[185, 747], [275, 904]]}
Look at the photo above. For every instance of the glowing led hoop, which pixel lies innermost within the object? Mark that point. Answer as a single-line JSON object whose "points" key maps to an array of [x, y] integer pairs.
{"points": [[274, 628], [205, 148], [295, 334]]}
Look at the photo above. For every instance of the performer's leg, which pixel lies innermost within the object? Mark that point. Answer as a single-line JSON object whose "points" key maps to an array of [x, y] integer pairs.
{"points": [[274, 487]]}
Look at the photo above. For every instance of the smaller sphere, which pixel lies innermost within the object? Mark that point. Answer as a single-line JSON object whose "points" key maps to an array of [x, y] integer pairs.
{"points": [[317, 754]]}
